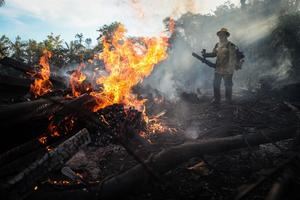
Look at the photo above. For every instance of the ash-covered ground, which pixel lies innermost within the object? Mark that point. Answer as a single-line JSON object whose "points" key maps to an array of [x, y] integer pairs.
{"points": [[222, 175]]}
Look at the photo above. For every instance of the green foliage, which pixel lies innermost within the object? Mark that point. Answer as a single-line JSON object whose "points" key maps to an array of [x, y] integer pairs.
{"points": [[18, 48], [33, 51], [88, 42], [53, 42], [4, 46], [107, 30]]}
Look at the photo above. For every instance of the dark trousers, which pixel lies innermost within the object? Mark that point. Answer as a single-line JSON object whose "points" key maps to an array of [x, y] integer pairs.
{"points": [[228, 86]]}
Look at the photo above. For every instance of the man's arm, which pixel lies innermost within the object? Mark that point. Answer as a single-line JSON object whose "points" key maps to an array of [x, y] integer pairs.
{"points": [[211, 54]]}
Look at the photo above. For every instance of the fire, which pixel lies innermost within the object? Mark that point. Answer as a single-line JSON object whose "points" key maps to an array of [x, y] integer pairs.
{"points": [[42, 139], [42, 84], [77, 79], [128, 62], [53, 130], [155, 125]]}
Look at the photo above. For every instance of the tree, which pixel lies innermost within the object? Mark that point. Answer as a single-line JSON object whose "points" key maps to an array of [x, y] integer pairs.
{"points": [[79, 36], [107, 30], [224, 9], [88, 42], [71, 52], [53, 42], [17, 48], [32, 52], [4, 45]]}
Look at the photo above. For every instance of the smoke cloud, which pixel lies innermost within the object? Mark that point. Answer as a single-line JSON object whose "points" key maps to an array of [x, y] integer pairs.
{"points": [[251, 29]]}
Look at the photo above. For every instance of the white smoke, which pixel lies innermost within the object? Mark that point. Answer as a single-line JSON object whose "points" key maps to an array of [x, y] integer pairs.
{"points": [[182, 72]]}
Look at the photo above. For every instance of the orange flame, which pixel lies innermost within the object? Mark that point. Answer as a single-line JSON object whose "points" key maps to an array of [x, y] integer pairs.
{"points": [[155, 125], [42, 84], [128, 61], [53, 130], [76, 80], [42, 139]]}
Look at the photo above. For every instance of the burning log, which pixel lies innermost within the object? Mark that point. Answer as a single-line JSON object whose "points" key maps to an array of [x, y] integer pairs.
{"points": [[167, 160], [20, 66], [19, 185], [114, 121], [35, 111], [30, 118]]}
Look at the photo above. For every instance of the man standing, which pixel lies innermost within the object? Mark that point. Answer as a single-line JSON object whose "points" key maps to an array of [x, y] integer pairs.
{"points": [[227, 61]]}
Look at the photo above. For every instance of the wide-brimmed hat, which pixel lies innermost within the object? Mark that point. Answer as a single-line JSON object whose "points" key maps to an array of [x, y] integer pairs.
{"points": [[223, 30]]}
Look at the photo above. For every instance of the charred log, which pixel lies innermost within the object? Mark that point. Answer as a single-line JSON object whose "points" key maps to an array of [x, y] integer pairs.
{"points": [[19, 185]]}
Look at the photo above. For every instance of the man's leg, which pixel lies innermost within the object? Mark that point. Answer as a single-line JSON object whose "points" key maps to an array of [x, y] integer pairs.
{"points": [[228, 86], [217, 86]]}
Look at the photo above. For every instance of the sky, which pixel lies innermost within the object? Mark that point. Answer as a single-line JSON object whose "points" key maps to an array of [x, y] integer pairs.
{"points": [[35, 19]]}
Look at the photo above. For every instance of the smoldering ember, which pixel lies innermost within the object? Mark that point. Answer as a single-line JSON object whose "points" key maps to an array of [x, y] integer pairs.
{"points": [[169, 99]]}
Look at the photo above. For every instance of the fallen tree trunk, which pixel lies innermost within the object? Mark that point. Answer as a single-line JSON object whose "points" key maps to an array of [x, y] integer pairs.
{"points": [[19, 185], [167, 160]]}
